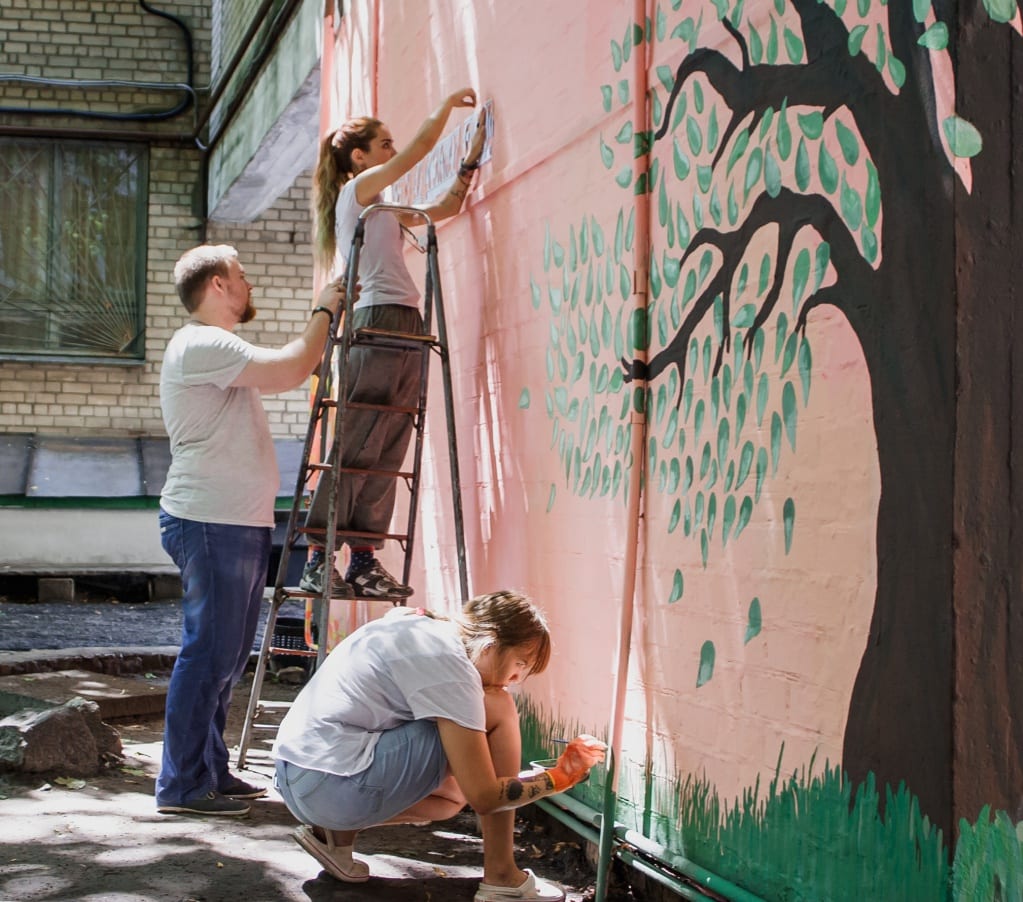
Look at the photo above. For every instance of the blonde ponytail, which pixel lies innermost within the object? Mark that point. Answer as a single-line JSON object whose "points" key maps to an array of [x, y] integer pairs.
{"points": [[333, 169]]}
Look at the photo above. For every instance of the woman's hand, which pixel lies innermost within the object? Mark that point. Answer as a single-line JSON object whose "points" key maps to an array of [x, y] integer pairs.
{"points": [[465, 97], [479, 137], [575, 762]]}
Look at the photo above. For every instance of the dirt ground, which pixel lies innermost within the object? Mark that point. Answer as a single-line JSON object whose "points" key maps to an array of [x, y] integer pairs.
{"points": [[101, 840]]}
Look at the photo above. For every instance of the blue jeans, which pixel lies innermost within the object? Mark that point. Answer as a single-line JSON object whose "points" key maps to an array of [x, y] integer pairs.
{"points": [[223, 572]]}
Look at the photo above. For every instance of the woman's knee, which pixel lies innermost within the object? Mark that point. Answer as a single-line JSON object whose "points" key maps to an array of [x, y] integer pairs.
{"points": [[500, 707]]}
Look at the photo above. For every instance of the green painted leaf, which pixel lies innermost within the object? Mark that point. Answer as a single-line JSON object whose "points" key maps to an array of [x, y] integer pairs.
{"points": [[738, 149], [551, 496], [800, 276], [920, 9], [761, 472], [852, 207], [535, 291], [789, 411], [698, 97], [827, 169], [753, 620], [872, 205], [616, 55], [745, 462], [789, 518], [793, 46], [963, 139], [820, 266], [776, 429], [772, 43], [704, 174], [791, 346], [802, 166], [935, 38], [745, 317], [897, 71], [1001, 10], [676, 588], [712, 131], [623, 91], [715, 207], [805, 366], [754, 166], [849, 143], [524, 399], [765, 273], [868, 241], [694, 135], [733, 206], [740, 415], [724, 440], [671, 267], [756, 46], [727, 518], [706, 671], [607, 95], [855, 41], [712, 511], [676, 516], [624, 177], [772, 174], [811, 124]]}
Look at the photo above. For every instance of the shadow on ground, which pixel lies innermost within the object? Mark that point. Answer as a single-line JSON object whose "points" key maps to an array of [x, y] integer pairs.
{"points": [[66, 840]]}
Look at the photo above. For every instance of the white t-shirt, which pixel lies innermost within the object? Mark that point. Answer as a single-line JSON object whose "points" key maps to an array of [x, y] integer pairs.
{"points": [[399, 668], [223, 464], [383, 275]]}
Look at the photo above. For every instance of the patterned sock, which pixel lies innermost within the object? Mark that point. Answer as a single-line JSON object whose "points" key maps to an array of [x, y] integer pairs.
{"points": [[361, 560], [315, 558]]}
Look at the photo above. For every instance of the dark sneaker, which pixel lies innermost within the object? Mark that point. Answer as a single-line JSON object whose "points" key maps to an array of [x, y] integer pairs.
{"points": [[236, 788], [213, 803], [312, 580], [376, 582]]}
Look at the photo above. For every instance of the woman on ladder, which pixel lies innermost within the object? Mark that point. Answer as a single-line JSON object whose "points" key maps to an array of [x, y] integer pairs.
{"points": [[356, 163]]}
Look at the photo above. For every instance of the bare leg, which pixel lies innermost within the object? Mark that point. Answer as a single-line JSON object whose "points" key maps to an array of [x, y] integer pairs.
{"points": [[505, 741]]}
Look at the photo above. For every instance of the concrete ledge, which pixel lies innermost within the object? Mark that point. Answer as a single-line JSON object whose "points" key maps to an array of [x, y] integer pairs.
{"points": [[116, 696], [112, 661]]}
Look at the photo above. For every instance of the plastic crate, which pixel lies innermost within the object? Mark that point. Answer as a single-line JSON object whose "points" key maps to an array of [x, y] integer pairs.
{"points": [[289, 635]]}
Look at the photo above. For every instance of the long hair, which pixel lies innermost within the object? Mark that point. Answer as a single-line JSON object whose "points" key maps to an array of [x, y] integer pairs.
{"points": [[333, 169]]}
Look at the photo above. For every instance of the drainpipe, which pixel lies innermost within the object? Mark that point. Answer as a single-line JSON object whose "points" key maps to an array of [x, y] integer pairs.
{"points": [[641, 256]]}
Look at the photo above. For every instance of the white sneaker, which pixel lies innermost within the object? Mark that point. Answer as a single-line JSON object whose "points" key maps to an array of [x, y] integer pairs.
{"points": [[533, 890]]}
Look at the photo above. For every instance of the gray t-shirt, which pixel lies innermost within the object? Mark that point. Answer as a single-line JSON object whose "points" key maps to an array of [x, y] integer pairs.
{"points": [[383, 276], [223, 464], [399, 668]]}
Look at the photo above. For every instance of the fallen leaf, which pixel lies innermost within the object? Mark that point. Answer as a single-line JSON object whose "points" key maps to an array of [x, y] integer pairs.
{"points": [[70, 782]]}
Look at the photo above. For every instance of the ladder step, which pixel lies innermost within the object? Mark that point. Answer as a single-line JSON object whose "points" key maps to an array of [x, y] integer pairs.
{"points": [[296, 592], [382, 337], [293, 652], [362, 471], [352, 534], [269, 705], [380, 408]]}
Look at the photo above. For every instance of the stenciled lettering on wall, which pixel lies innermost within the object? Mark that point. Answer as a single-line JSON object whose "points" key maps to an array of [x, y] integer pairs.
{"points": [[431, 177]]}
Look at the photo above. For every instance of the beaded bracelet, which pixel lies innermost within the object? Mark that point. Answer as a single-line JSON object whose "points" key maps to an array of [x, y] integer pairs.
{"points": [[322, 309]]}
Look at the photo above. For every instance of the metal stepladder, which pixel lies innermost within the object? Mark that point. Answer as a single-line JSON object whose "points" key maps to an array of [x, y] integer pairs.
{"points": [[330, 402]]}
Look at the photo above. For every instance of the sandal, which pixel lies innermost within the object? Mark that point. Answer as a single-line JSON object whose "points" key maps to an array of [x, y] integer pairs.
{"points": [[346, 868], [531, 890]]}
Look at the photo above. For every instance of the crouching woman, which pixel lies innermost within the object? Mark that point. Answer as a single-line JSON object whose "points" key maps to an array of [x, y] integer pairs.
{"points": [[409, 719]]}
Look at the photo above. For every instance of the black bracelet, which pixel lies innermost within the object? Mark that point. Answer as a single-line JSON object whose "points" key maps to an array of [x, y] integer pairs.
{"points": [[469, 167], [322, 309]]}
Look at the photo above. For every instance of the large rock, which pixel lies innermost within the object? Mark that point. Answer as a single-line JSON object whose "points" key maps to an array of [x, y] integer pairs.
{"points": [[69, 738]]}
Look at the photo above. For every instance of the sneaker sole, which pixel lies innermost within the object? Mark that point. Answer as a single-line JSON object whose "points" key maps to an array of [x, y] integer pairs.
{"points": [[246, 796]]}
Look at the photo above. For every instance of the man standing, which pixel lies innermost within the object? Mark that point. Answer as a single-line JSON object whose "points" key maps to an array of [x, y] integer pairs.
{"points": [[216, 512]]}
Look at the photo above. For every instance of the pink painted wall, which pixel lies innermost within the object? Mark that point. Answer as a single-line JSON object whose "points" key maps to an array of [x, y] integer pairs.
{"points": [[543, 66]]}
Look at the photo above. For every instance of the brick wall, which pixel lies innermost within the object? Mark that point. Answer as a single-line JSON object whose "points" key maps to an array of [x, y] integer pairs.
{"points": [[117, 40]]}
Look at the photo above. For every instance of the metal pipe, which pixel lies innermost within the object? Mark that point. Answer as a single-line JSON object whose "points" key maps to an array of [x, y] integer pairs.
{"points": [[641, 252], [589, 824]]}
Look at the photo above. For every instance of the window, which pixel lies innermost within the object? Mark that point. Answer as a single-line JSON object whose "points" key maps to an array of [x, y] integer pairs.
{"points": [[72, 250]]}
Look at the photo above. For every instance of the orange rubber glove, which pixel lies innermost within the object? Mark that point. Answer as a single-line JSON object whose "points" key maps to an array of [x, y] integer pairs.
{"points": [[575, 762]]}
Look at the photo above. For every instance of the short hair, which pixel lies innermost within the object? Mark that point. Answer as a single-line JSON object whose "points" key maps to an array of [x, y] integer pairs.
{"points": [[196, 267], [507, 619]]}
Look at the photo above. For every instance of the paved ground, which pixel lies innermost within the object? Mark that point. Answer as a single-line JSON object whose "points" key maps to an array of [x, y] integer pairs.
{"points": [[101, 840]]}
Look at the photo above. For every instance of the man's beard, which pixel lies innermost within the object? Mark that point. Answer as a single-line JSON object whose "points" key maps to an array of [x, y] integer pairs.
{"points": [[248, 314]]}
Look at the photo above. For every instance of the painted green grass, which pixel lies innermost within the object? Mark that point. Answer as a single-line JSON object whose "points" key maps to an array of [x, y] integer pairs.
{"points": [[807, 837], [989, 859]]}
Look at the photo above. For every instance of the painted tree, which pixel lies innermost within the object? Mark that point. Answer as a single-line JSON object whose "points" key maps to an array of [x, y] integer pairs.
{"points": [[825, 133]]}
